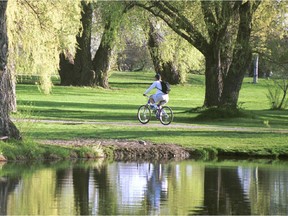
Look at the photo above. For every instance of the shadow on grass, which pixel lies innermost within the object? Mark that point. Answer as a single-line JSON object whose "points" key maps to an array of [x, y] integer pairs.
{"points": [[244, 118], [82, 111], [141, 132], [127, 112]]}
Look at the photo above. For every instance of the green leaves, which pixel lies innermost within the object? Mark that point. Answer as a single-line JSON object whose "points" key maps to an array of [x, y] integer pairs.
{"points": [[38, 31]]}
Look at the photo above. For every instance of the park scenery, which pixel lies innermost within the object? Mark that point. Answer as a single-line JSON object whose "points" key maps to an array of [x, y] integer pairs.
{"points": [[79, 137]]}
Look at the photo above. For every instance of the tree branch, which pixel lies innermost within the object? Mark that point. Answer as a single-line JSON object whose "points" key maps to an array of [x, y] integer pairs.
{"points": [[209, 18], [176, 21]]}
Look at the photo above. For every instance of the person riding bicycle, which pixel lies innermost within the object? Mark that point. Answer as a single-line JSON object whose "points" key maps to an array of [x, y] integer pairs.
{"points": [[159, 98]]}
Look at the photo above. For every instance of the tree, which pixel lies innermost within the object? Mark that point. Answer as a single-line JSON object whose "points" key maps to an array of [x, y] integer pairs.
{"points": [[271, 41], [167, 69], [83, 70], [278, 62], [7, 128], [38, 31], [172, 56], [102, 60], [221, 31], [77, 71]]}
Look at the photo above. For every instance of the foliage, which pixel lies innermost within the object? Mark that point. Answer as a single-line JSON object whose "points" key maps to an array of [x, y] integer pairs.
{"points": [[270, 37], [269, 22], [132, 50], [174, 48], [135, 30], [277, 94], [221, 31], [38, 31]]}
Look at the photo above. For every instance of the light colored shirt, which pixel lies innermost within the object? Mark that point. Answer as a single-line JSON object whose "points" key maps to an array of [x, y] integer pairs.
{"points": [[157, 85]]}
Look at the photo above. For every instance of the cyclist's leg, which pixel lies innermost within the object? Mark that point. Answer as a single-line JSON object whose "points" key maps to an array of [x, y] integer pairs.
{"points": [[152, 99], [163, 100]]}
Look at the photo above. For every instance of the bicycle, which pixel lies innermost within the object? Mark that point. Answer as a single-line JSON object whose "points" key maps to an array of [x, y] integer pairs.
{"points": [[164, 114]]}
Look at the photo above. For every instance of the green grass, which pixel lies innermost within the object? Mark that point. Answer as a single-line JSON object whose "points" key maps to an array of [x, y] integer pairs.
{"points": [[31, 150], [114, 111]]}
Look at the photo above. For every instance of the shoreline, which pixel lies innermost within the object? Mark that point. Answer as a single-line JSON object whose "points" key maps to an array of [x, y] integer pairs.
{"points": [[125, 150], [130, 150]]}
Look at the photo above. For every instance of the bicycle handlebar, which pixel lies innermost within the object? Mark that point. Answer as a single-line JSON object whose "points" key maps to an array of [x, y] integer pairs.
{"points": [[148, 96]]}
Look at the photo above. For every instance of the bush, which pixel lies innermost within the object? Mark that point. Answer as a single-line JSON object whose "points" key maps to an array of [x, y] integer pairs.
{"points": [[277, 94]]}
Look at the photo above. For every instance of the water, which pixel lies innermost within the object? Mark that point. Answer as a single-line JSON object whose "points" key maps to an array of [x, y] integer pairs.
{"points": [[119, 188]]}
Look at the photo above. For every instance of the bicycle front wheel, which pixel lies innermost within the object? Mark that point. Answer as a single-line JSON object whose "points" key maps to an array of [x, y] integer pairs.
{"points": [[144, 114], [166, 115]]}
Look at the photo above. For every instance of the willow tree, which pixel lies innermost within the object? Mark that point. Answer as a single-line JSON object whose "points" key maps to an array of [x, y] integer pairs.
{"points": [[37, 32], [78, 71], [86, 70], [172, 56], [221, 31], [7, 128], [112, 14], [167, 68]]}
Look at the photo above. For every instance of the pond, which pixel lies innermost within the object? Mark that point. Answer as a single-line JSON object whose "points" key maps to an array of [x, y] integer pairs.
{"points": [[144, 188]]}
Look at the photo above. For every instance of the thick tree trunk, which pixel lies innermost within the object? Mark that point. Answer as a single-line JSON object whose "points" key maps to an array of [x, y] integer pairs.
{"points": [[242, 57], [167, 69], [224, 72], [83, 60], [224, 79], [66, 66], [102, 60], [82, 71], [213, 78], [78, 72], [7, 128], [101, 64]]}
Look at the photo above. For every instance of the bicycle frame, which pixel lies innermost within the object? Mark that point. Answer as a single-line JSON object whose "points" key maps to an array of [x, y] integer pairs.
{"points": [[163, 113]]}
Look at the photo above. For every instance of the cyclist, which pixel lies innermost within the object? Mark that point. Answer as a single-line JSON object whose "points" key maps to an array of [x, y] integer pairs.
{"points": [[159, 97]]}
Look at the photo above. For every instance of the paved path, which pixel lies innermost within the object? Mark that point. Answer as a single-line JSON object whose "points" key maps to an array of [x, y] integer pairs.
{"points": [[172, 125]]}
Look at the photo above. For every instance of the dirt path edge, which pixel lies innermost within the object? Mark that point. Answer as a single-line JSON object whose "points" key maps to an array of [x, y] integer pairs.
{"points": [[131, 150]]}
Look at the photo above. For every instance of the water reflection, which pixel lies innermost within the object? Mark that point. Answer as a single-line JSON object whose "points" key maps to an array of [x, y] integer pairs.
{"points": [[118, 188]]}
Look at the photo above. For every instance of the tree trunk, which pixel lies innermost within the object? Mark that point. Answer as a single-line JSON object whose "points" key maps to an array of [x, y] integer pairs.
{"points": [[213, 77], [226, 61], [66, 66], [7, 128], [12, 90], [83, 61], [224, 79], [242, 57], [167, 69], [78, 72], [102, 60]]}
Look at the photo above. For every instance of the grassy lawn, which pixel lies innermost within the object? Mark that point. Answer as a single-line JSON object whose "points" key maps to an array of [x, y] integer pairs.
{"points": [[111, 114]]}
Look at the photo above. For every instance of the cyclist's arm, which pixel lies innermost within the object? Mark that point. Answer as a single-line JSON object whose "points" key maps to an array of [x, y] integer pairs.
{"points": [[150, 88]]}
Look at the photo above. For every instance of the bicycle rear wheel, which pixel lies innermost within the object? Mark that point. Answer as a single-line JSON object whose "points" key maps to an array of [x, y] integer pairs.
{"points": [[144, 114], [166, 115]]}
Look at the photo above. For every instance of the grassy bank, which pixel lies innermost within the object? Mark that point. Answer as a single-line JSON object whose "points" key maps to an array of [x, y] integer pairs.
{"points": [[111, 114], [31, 150]]}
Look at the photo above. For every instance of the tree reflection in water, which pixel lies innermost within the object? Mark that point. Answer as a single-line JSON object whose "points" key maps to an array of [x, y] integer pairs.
{"points": [[7, 185], [119, 188]]}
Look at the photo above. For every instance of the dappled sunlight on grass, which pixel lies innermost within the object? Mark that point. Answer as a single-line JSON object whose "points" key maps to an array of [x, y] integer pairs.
{"points": [[112, 114]]}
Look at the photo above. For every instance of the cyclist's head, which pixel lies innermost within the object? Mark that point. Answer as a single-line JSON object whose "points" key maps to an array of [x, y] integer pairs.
{"points": [[158, 76]]}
